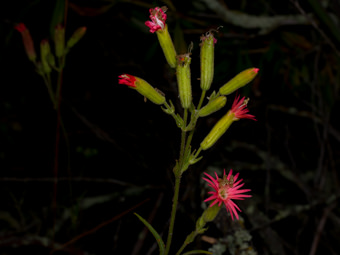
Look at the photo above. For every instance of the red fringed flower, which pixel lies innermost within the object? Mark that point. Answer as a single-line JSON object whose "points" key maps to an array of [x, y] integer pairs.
{"points": [[225, 190], [240, 110], [127, 79], [158, 18]]}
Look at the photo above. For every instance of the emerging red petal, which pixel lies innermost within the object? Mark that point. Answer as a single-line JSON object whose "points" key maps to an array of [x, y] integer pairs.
{"points": [[239, 108], [158, 18], [20, 27], [225, 190], [127, 79]]}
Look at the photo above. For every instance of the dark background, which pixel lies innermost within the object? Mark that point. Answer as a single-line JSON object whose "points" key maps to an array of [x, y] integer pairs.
{"points": [[122, 150]]}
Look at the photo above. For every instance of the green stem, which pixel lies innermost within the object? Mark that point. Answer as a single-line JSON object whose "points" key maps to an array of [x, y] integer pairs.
{"points": [[193, 130], [178, 175], [59, 82], [173, 214], [185, 245], [48, 83], [201, 100], [182, 151]]}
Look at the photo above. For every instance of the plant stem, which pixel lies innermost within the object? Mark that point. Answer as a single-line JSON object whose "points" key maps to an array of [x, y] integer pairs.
{"points": [[183, 137], [178, 175], [48, 83], [193, 130], [173, 214], [201, 100], [185, 245]]}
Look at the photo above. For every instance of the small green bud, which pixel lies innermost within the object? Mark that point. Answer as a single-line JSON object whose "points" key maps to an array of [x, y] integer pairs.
{"points": [[240, 80], [45, 51], [142, 87], [184, 80], [77, 35], [167, 46], [207, 60], [59, 40], [213, 106], [217, 131]]}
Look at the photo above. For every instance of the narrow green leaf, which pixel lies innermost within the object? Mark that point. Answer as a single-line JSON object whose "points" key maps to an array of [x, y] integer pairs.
{"points": [[197, 252], [159, 240]]}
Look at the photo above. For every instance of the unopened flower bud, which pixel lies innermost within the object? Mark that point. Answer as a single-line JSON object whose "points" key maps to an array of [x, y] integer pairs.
{"points": [[45, 52], [240, 80], [213, 106], [207, 60], [184, 80], [77, 35], [142, 87], [27, 40], [59, 40]]}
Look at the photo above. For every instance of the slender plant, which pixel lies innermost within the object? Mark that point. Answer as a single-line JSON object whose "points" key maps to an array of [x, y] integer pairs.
{"points": [[227, 188], [52, 61]]}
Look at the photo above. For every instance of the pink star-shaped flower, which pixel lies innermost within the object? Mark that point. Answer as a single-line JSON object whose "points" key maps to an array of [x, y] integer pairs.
{"points": [[158, 18], [225, 190]]}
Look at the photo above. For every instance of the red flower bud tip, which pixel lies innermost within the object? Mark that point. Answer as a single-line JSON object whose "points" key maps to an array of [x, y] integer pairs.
{"points": [[20, 27], [127, 79], [27, 40], [239, 109], [158, 18]]}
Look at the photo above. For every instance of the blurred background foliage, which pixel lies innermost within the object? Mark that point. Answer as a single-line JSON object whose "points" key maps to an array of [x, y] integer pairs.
{"points": [[122, 150]]}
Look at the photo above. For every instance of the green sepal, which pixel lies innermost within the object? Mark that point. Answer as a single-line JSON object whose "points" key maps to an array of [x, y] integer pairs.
{"points": [[211, 212], [170, 109], [218, 130], [190, 159], [159, 240], [144, 88], [193, 158], [207, 60], [167, 46], [184, 80]]}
